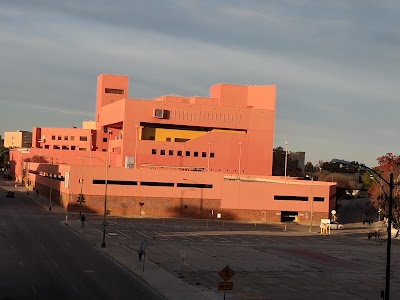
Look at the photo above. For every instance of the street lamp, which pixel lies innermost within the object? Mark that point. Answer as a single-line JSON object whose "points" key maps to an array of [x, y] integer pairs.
{"points": [[390, 183], [286, 156], [51, 179], [103, 244], [312, 201]]}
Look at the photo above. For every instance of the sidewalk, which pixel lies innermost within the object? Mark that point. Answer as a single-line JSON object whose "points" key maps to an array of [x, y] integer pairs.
{"points": [[165, 283]]}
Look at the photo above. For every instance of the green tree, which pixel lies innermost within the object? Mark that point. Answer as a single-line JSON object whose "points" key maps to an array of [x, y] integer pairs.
{"points": [[4, 156], [309, 167], [278, 164]]}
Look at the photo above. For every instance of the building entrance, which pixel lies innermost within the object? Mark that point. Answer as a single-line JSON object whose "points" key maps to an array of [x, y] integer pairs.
{"points": [[289, 216]]}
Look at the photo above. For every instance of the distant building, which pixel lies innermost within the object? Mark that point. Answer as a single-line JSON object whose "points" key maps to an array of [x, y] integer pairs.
{"points": [[1, 141], [18, 139], [300, 156]]}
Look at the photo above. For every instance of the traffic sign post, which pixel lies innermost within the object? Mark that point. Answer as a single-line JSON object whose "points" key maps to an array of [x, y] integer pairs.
{"points": [[226, 274]]}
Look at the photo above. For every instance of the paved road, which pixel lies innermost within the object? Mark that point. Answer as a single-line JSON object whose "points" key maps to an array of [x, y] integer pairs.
{"points": [[41, 258]]}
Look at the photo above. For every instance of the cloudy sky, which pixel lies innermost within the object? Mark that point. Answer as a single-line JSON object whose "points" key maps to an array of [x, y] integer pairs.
{"points": [[335, 63]]}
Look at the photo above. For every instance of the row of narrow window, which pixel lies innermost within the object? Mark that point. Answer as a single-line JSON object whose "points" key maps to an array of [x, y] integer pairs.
{"points": [[71, 138], [298, 198], [180, 153], [66, 148]]}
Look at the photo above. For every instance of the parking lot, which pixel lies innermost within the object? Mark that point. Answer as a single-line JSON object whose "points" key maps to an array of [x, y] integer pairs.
{"points": [[269, 263]]}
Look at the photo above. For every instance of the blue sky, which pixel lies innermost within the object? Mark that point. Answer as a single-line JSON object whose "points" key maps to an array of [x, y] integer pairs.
{"points": [[335, 63]]}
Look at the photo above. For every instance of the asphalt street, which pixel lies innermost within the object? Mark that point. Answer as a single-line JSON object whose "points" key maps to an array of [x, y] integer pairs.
{"points": [[41, 258]]}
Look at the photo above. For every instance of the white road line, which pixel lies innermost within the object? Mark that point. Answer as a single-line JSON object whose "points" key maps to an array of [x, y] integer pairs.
{"points": [[149, 237], [68, 245], [200, 237], [123, 234], [34, 290], [164, 236], [185, 237], [224, 240], [41, 246], [55, 263], [102, 232], [75, 289], [21, 264]]}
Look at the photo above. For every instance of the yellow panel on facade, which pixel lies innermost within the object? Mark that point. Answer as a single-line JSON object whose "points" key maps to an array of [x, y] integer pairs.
{"points": [[229, 131], [162, 134]]}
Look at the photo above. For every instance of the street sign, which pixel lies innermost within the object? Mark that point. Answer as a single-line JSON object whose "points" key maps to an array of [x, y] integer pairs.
{"points": [[225, 286], [226, 273]]}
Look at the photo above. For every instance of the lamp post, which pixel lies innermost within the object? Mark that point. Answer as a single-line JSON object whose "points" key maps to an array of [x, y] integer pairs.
{"points": [[286, 156], [51, 179], [81, 194], [312, 201], [103, 244], [390, 183]]}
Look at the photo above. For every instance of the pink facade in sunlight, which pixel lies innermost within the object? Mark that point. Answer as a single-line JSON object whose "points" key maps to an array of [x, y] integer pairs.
{"points": [[179, 156]]}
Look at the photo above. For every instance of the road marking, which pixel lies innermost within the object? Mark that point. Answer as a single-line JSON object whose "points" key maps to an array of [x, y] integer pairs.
{"points": [[149, 237], [200, 237], [68, 245], [12, 246], [21, 264], [75, 289], [34, 290], [55, 263], [224, 240], [41, 246], [165, 237], [123, 234], [185, 237], [102, 233]]}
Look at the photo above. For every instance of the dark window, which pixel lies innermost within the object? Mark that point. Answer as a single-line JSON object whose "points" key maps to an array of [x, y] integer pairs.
{"points": [[59, 137], [168, 139], [212, 154], [187, 153], [104, 150], [179, 153], [152, 138], [72, 147], [195, 154], [203, 154], [162, 152], [105, 129], [171, 152], [114, 91], [117, 182], [195, 185], [152, 183], [82, 149], [319, 199], [56, 147], [178, 140], [291, 198], [66, 138], [153, 151], [46, 146], [83, 138], [53, 137], [105, 140], [65, 147]]}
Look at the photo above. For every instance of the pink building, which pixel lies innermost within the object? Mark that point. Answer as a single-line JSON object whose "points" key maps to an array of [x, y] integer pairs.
{"points": [[177, 156]]}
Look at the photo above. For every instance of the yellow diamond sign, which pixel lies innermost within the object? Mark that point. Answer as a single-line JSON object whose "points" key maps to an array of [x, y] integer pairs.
{"points": [[226, 273]]}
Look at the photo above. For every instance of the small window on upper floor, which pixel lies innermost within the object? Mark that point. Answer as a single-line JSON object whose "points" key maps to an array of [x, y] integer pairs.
{"points": [[53, 137], [187, 153], [72, 138], [83, 138], [56, 147], [65, 147], [179, 153], [212, 155], [170, 152], [168, 139], [203, 154], [195, 154], [59, 137], [65, 138], [105, 129], [82, 149], [73, 147], [105, 140], [46, 147], [162, 152], [114, 91], [153, 151], [104, 150]]}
